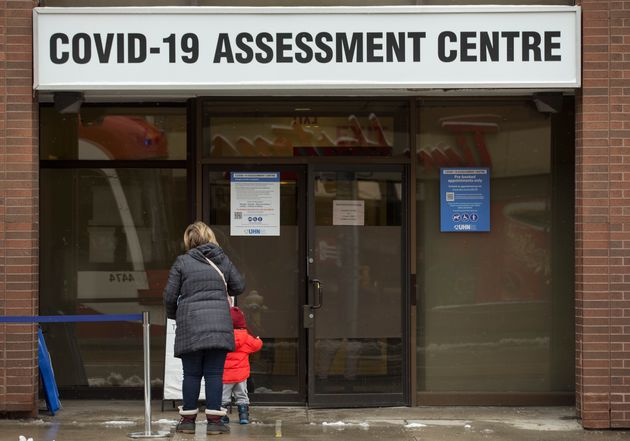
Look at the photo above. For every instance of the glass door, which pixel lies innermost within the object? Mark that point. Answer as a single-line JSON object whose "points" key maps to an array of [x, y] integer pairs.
{"points": [[275, 281], [357, 251], [326, 294]]}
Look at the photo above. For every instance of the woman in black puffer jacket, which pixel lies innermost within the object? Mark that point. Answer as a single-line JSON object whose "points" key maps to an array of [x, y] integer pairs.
{"points": [[196, 298]]}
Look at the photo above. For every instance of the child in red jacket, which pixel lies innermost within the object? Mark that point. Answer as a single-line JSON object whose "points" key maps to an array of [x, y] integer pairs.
{"points": [[236, 371]]}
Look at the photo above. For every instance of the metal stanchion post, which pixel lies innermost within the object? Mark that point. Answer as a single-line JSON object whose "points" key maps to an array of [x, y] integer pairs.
{"points": [[148, 433]]}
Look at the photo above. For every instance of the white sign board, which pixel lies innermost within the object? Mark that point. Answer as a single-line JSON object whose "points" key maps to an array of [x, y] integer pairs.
{"points": [[254, 204], [387, 47], [348, 212], [173, 372]]}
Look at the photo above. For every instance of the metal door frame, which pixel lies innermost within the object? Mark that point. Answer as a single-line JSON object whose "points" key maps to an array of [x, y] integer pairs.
{"points": [[300, 170], [373, 399]]}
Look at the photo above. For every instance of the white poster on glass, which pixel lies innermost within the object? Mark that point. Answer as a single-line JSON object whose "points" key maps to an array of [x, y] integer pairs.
{"points": [[255, 204], [348, 212]]}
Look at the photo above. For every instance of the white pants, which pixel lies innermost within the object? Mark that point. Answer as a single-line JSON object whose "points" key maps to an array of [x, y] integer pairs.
{"points": [[239, 390]]}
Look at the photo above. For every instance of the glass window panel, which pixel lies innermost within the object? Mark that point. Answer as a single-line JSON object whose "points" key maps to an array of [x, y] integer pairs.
{"points": [[487, 320], [305, 129], [104, 133], [108, 239], [273, 291], [359, 263]]}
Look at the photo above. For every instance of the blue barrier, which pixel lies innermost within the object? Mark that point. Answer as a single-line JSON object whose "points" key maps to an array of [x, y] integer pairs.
{"points": [[50, 387], [69, 318], [51, 394]]}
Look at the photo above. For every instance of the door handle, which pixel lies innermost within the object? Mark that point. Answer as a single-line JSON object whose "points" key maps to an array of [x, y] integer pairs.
{"points": [[309, 315], [318, 295]]}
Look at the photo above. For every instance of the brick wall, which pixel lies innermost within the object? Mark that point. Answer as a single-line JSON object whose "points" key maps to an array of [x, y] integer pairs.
{"points": [[603, 217], [18, 209]]}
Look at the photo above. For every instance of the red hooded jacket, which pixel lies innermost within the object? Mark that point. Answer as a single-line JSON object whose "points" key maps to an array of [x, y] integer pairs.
{"points": [[237, 362]]}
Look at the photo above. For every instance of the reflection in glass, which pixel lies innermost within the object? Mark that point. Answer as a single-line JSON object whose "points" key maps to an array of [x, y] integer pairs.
{"points": [[273, 290], [109, 133], [305, 129], [489, 321], [358, 339], [108, 239]]}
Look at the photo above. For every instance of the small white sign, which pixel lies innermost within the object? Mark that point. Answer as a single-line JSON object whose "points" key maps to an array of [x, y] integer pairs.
{"points": [[173, 372], [348, 212], [255, 204]]}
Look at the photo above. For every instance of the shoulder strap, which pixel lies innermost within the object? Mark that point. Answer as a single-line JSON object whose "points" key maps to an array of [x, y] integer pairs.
{"points": [[213, 265]]}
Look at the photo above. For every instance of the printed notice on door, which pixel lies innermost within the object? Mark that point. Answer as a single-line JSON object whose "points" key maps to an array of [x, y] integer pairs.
{"points": [[348, 212], [255, 204]]}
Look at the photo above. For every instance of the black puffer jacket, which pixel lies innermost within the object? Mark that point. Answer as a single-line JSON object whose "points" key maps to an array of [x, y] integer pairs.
{"points": [[195, 297]]}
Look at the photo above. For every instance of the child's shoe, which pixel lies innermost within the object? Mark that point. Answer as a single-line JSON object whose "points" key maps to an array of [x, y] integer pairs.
{"points": [[243, 413], [226, 407]]}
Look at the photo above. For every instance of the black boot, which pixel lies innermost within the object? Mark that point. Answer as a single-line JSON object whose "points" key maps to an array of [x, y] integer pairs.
{"points": [[187, 422], [243, 413], [215, 425], [227, 408]]}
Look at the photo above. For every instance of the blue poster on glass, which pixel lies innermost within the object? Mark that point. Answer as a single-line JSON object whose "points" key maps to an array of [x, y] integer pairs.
{"points": [[464, 199]]}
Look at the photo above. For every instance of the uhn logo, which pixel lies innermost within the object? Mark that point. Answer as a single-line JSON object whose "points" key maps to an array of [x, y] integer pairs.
{"points": [[253, 231]]}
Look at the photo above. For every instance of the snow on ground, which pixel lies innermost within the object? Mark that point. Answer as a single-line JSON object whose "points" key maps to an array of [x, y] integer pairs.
{"points": [[119, 423], [549, 424], [343, 424], [442, 423], [165, 421], [545, 425]]}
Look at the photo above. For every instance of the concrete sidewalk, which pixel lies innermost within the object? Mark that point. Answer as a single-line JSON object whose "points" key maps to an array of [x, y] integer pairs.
{"points": [[113, 420]]}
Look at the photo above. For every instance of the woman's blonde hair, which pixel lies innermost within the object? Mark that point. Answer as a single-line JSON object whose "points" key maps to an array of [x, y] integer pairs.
{"points": [[198, 234]]}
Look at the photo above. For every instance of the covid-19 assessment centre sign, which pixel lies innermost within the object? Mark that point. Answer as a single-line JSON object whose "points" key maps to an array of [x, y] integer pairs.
{"points": [[211, 48]]}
